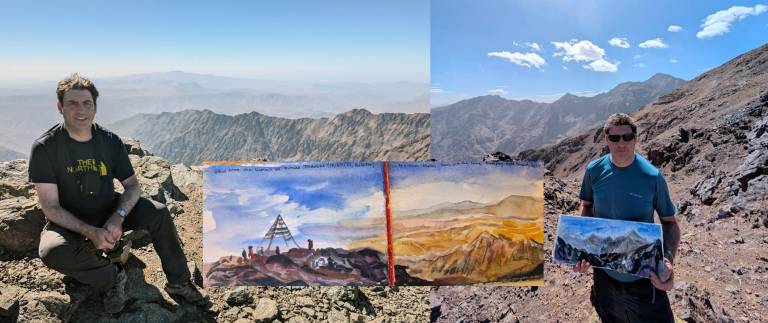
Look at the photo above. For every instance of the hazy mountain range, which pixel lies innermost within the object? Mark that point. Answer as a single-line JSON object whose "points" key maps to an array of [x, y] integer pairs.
{"points": [[471, 128], [31, 108], [191, 137], [8, 154]]}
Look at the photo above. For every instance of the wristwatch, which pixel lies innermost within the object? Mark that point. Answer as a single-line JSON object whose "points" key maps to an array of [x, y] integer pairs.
{"points": [[121, 212]]}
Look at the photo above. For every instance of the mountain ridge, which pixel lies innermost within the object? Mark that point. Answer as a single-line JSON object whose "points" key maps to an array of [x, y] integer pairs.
{"points": [[477, 126], [192, 136]]}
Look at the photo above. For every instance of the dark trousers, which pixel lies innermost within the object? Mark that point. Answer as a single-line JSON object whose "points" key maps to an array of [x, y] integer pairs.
{"points": [[70, 254], [637, 301]]}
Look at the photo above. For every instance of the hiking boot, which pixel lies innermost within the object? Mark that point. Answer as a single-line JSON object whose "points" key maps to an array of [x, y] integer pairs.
{"points": [[189, 292], [115, 298]]}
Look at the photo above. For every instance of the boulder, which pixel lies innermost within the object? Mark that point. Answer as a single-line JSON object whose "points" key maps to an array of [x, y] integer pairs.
{"points": [[697, 306], [133, 146], [14, 180], [187, 179], [238, 297], [344, 294], [705, 189], [21, 221], [298, 319], [9, 302], [753, 203], [46, 306], [754, 165], [156, 180], [335, 316], [265, 311], [147, 312]]}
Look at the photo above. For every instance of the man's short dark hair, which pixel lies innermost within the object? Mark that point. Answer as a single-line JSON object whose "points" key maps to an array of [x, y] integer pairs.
{"points": [[76, 82], [620, 119]]}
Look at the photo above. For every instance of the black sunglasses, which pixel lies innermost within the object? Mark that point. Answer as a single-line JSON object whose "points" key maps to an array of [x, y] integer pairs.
{"points": [[627, 137]]}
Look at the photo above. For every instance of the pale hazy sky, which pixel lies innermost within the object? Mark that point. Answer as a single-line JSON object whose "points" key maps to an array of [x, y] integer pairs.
{"points": [[315, 41]]}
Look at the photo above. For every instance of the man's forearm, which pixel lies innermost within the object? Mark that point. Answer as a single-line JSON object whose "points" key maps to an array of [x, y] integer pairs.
{"points": [[129, 198], [671, 233], [586, 209], [67, 220]]}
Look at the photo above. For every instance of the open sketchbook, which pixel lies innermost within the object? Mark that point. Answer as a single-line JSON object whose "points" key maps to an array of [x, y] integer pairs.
{"points": [[634, 248], [373, 223]]}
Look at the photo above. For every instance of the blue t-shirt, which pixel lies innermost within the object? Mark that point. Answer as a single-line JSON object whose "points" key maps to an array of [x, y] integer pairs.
{"points": [[629, 193]]}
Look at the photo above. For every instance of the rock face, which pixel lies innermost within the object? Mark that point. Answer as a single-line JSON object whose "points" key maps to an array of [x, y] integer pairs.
{"points": [[186, 179], [697, 306], [155, 175], [471, 128], [21, 221], [190, 137], [21, 218]]}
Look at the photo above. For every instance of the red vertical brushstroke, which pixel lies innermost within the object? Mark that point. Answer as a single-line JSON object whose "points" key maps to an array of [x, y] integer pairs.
{"points": [[390, 255]]}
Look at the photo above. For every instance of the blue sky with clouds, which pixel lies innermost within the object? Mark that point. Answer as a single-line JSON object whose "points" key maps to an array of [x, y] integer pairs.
{"points": [[334, 40], [326, 204], [540, 50]]}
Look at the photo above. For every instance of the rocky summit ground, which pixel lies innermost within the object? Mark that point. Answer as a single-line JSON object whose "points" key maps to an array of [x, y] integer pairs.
{"points": [[30, 292]]}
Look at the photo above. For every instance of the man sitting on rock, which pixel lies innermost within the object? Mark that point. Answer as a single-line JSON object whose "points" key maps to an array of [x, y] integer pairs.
{"points": [[73, 166], [623, 185]]}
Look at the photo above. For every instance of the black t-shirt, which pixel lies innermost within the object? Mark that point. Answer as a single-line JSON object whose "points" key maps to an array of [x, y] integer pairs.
{"points": [[83, 171]]}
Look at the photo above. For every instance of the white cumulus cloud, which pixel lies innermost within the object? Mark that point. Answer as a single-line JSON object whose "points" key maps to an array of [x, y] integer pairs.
{"points": [[673, 61], [522, 59], [579, 51], [619, 42], [674, 29], [497, 92], [719, 23], [585, 51], [653, 43], [602, 65], [534, 46]]}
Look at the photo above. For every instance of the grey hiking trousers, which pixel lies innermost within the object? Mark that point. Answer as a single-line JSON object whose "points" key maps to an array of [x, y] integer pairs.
{"points": [[71, 254]]}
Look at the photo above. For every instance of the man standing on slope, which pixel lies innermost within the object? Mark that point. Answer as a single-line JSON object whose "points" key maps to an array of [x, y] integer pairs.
{"points": [[73, 166], [623, 185]]}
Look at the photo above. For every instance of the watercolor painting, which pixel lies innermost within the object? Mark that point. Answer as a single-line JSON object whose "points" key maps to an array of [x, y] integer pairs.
{"points": [[466, 223], [294, 224], [634, 248]]}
